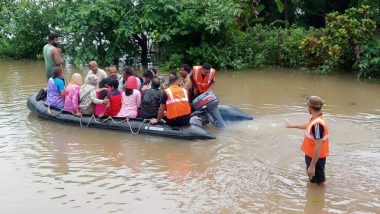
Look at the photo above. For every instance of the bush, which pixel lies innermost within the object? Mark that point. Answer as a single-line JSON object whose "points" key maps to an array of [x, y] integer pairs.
{"points": [[258, 46], [368, 66], [342, 39]]}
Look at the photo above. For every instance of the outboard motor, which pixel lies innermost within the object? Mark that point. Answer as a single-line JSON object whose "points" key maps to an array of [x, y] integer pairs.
{"points": [[206, 105]]}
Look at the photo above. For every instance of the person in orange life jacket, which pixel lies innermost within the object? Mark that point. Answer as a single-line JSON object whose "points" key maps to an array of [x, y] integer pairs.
{"points": [[176, 103], [316, 140], [114, 97], [203, 78]]}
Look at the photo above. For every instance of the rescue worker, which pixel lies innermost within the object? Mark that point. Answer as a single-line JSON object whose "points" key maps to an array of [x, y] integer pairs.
{"points": [[316, 140], [203, 78], [176, 103]]}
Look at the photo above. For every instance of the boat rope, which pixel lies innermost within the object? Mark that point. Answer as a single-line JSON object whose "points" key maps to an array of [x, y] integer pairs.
{"points": [[118, 122], [113, 121], [138, 131], [51, 114], [80, 121]]}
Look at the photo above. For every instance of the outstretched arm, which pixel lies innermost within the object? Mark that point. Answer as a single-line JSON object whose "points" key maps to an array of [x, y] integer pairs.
{"points": [[288, 124]]}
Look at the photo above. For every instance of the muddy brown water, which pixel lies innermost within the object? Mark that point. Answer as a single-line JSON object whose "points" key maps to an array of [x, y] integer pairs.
{"points": [[252, 167]]}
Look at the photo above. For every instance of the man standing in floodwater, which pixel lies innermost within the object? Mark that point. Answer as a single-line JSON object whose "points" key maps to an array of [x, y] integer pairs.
{"points": [[316, 140], [52, 54]]}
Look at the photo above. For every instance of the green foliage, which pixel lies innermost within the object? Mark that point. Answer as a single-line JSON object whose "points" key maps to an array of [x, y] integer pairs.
{"points": [[374, 7], [342, 39], [259, 46], [25, 26], [174, 61], [94, 30], [368, 66], [280, 5], [225, 33]]}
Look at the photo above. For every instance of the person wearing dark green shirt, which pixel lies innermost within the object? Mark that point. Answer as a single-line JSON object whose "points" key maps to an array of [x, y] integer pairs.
{"points": [[52, 54]]}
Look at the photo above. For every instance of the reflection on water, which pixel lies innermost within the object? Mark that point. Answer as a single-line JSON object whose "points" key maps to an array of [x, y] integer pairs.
{"points": [[252, 167], [315, 199]]}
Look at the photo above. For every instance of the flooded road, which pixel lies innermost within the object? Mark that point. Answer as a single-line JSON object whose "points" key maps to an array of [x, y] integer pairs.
{"points": [[252, 167]]}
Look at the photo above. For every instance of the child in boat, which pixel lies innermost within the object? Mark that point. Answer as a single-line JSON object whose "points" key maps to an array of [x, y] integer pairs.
{"points": [[114, 97], [131, 99], [101, 94]]}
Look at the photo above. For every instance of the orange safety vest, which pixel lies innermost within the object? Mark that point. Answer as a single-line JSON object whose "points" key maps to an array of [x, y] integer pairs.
{"points": [[177, 103], [308, 144], [202, 84]]}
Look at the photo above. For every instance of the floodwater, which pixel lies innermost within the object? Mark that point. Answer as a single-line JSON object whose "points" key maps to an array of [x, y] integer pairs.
{"points": [[252, 167]]}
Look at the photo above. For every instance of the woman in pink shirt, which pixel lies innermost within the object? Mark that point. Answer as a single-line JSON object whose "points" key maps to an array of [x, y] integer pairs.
{"points": [[72, 94], [131, 99]]}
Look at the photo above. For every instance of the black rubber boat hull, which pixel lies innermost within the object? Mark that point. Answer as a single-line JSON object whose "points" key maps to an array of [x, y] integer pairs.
{"points": [[137, 125], [230, 113]]}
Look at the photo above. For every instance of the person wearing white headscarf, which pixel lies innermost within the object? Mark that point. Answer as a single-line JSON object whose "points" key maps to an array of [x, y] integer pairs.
{"points": [[87, 95]]}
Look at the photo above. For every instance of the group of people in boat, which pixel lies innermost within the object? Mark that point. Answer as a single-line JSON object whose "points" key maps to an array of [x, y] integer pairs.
{"points": [[112, 94], [129, 96]]}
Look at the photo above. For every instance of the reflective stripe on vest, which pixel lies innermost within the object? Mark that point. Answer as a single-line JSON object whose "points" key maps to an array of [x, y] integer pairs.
{"points": [[174, 100], [309, 131], [308, 144], [177, 102]]}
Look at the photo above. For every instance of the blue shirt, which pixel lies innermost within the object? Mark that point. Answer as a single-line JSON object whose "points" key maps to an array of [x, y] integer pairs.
{"points": [[60, 84]]}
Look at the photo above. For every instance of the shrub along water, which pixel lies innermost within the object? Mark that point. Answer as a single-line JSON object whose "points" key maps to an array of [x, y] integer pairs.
{"points": [[345, 42], [342, 41], [258, 46], [229, 34], [368, 66]]}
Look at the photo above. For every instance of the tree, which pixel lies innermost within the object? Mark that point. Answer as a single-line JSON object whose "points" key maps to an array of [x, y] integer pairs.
{"points": [[25, 26], [342, 40], [90, 30], [193, 24]]}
